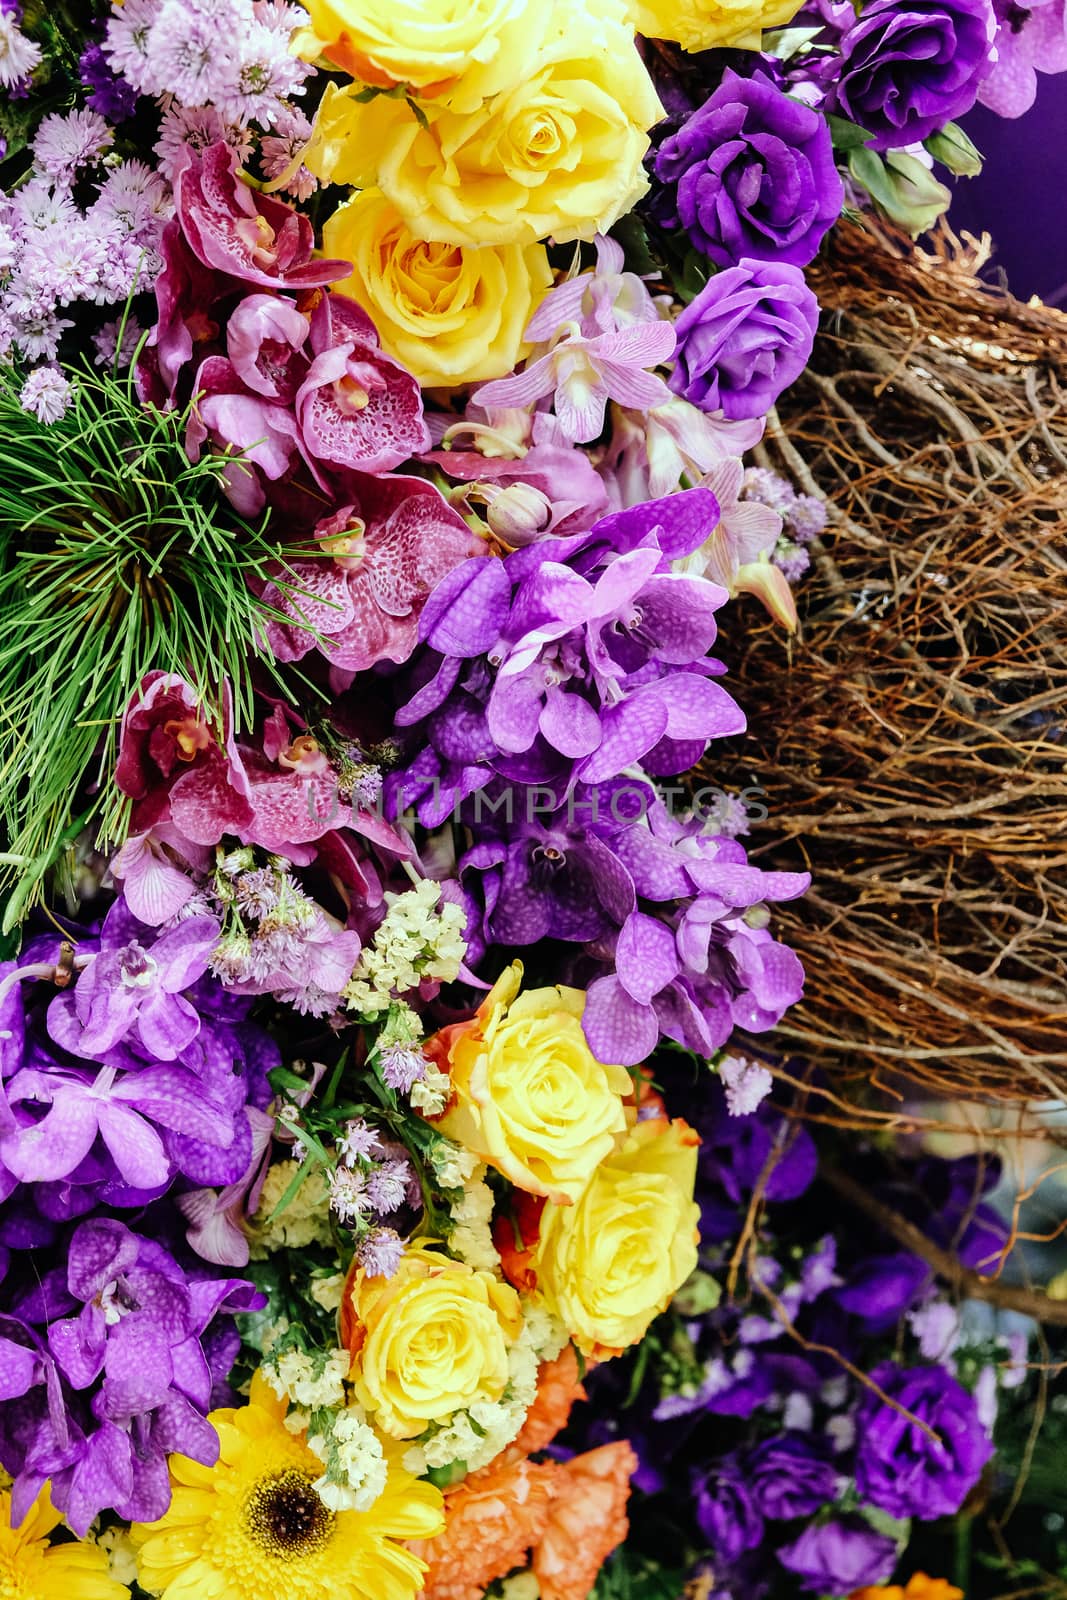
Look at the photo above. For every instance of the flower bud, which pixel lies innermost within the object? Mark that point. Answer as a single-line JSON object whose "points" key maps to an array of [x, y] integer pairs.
{"points": [[518, 514]]}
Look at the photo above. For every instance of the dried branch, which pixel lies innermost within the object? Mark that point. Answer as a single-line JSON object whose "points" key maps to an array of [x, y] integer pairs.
{"points": [[967, 1283]]}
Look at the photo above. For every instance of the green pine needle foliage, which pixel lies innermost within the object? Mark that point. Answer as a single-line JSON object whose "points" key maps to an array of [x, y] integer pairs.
{"points": [[117, 556]]}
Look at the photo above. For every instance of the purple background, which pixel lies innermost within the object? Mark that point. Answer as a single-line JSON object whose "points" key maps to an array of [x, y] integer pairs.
{"points": [[1021, 196]]}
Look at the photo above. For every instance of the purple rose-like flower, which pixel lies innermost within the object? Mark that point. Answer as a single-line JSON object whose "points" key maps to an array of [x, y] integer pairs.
{"points": [[745, 338], [901, 1469], [882, 1287], [908, 69], [726, 1511], [753, 174], [790, 1476], [833, 1558]]}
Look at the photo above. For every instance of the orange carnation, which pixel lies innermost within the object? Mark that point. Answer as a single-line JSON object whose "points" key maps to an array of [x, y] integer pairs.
{"points": [[491, 1520], [515, 1237], [918, 1587], [557, 1390], [586, 1521]]}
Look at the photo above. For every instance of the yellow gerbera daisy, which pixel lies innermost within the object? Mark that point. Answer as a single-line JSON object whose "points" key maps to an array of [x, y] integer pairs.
{"points": [[33, 1569], [253, 1525]]}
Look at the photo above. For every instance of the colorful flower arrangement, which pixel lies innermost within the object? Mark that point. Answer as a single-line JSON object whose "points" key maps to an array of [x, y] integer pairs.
{"points": [[375, 1141]]}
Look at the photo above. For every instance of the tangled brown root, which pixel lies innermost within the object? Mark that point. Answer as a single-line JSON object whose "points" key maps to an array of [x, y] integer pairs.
{"points": [[912, 737]]}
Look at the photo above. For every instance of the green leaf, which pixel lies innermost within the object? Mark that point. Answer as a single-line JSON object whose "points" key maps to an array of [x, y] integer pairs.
{"points": [[296, 1183], [844, 134], [955, 151]]}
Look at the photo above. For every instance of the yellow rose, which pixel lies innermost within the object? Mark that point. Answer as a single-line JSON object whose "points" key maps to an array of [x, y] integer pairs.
{"points": [[609, 1264], [464, 51], [558, 154], [450, 314], [711, 24], [431, 1340], [529, 1096]]}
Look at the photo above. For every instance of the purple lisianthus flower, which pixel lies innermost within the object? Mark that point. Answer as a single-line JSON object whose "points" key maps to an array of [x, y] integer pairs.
{"points": [[901, 1469], [882, 1287], [790, 1476], [833, 1558], [908, 69], [752, 174], [745, 338], [726, 1511]]}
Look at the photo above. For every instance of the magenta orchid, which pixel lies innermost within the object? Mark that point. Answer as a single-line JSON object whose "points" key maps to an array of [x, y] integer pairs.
{"points": [[382, 554]]}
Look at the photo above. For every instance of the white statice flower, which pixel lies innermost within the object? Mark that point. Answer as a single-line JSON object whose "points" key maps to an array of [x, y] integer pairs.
{"points": [[937, 1328], [432, 1092], [312, 1379], [544, 1332], [747, 1084], [420, 939], [471, 1237], [67, 141], [121, 1554], [350, 1450], [452, 1165], [46, 394], [18, 55], [305, 1220], [521, 1586], [328, 1292]]}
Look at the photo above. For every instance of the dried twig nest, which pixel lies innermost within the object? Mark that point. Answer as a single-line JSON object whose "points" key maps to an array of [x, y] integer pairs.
{"points": [[912, 738]]}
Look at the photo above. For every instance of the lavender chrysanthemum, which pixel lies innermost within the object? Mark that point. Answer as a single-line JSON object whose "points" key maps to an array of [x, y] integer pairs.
{"points": [[379, 1252], [46, 394], [64, 144]]}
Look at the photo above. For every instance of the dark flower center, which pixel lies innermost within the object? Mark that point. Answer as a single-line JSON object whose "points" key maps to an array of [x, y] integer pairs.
{"points": [[1016, 17], [285, 1516]]}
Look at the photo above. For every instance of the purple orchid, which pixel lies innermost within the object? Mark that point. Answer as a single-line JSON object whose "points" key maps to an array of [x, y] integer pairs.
{"points": [[595, 655], [594, 338], [122, 1374], [1029, 39], [118, 1091], [581, 374], [134, 989], [383, 553], [658, 901]]}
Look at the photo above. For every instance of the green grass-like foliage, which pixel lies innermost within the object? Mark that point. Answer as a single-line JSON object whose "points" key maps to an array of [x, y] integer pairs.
{"points": [[117, 555]]}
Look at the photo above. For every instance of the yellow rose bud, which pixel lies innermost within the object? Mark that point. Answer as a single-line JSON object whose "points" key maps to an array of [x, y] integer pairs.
{"points": [[450, 314], [560, 153], [609, 1264], [711, 24], [529, 1096], [431, 1340], [465, 52]]}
